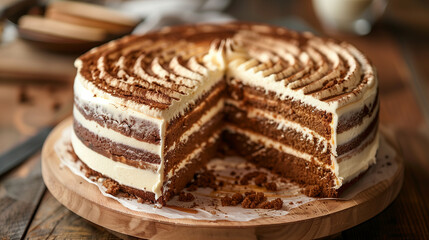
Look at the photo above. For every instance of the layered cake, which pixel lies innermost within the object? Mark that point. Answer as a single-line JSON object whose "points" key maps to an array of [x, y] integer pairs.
{"points": [[151, 110]]}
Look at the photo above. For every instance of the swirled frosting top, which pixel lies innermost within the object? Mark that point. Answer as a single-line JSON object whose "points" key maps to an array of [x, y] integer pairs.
{"points": [[161, 72]]}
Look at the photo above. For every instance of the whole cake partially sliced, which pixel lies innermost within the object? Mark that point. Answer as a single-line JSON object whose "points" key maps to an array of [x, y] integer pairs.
{"points": [[151, 110]]}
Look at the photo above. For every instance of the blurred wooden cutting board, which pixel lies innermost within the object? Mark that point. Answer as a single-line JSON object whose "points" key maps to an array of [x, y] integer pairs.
{"points": [[21, 61]]}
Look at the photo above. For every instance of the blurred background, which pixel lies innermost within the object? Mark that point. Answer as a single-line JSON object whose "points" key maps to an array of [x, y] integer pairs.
{"points": [[39, 41]]}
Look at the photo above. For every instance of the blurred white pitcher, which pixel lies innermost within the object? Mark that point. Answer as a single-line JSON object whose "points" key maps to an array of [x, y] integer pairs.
{"points": [[351, 16]]}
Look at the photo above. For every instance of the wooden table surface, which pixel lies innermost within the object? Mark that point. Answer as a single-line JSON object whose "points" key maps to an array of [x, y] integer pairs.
{"points": [[400, 53]]}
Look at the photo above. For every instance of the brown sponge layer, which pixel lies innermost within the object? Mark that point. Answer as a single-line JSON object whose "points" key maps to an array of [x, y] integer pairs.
{"points": [[299, 170]]}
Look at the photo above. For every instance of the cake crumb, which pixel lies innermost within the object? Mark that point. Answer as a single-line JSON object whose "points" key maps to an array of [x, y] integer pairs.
{"points": [[252, 200], [226, 201], [271, 186], [221, 183], [236, 199], [249, 176], [276, 204], [186, 197], [112, 187], [261, 179]]}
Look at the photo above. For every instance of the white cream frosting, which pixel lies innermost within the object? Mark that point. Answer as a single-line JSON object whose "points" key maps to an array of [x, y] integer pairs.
{"points": [[193, 154], [207, 116], [138, 178], [114, 136], [270, 143], [283, 123], [103, 104], [356, 162]]}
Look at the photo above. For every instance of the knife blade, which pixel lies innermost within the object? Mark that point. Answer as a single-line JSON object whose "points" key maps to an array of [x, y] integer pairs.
{"points": [[18, 154]]}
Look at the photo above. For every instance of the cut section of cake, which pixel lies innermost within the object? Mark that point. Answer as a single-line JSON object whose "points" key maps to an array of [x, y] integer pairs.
{"points": [[151, 110]]}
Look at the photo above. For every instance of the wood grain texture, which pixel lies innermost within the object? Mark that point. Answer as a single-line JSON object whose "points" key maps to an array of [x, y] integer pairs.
{"points": [[53, 221], [315, 219], [20, 193]]}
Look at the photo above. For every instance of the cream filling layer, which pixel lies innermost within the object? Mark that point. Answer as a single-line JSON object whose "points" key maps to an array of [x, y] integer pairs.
{"points": [[197, 151], [356, 162], [309, 134], [271, 143], [350, 166], [138, 178], [114, 136], [208, 115], [353, 132], [143, 179], [283, 123]]}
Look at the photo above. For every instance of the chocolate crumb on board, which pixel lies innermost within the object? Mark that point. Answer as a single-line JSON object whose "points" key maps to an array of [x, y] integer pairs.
{"points": [[252, 199], [249, 176], [261, 179], [221, 183], [271, 186], [186, 197], [276, 204], [226, 201], [236, 199], [112, 187]]}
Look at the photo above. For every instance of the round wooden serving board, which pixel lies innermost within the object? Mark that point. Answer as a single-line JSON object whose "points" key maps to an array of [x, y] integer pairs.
{"points": [[313, 220]]}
